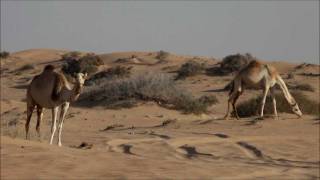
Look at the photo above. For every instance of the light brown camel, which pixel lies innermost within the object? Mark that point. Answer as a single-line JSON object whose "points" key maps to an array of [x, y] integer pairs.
{"points": [[262, 76], [51, 90]]}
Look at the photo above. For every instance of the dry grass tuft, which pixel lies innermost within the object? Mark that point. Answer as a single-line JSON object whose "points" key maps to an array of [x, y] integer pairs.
{"points": [[302, 87], [190, 68], [111, 73], [160, 88]]}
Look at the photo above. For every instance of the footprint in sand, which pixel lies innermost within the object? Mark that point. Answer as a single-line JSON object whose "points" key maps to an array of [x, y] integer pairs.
{"points": [[192, 151]]}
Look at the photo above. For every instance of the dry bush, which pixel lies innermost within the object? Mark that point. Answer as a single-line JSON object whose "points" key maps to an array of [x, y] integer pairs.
{"points": [[159, 88], [302, 87], [230, 64], [72, 54], [26, 67], [75, 64], [190, 68], [4, 54], [113, 72], [162, 55], [252, 106]]}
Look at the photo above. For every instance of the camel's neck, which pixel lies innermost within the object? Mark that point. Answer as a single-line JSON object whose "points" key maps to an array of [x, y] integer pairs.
{"points": [[69, 95], [285, 91], [75, 92]]}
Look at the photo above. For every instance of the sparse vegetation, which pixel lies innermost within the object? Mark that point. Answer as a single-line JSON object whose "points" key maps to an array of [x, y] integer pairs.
{"points": [[26, 67], [113, 72], [162, 55], [159, 88], [190, 68], [302, 87], [4, 54], [70, 55], [252, 106], [230, 64], [74, 64]]}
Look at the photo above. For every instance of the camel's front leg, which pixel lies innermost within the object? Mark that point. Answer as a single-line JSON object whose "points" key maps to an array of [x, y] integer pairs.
{"points": [[64, 109], [265, 93], [54, 122]]}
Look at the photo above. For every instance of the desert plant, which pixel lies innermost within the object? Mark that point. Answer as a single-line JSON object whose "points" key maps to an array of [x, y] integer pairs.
{"points": [[230, 64], [252, 106], [113, 72], [190, 68], [26, 67], [88, 63], [159, 88], [302, 87], [188, 104], [162, 55], [4, 54], [70, 55]]}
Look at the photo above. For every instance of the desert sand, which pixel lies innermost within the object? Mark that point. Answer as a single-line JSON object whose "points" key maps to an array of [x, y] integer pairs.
{"points": [[149, 141]]}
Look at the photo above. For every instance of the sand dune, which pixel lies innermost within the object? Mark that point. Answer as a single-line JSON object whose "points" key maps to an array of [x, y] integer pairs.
{"points": [[151, 142]]}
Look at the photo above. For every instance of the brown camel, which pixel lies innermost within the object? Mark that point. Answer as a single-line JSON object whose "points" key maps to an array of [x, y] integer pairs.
{"points": [[51, 90], [263, 76]]}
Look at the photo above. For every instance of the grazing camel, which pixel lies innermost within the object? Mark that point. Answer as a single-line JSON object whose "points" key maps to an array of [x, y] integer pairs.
{"points": [[262, 76], [51, 90]]}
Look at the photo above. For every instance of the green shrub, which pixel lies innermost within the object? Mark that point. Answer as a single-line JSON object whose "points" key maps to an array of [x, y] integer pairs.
{"points": [[190, 68], [159, 88], [252, 106]]}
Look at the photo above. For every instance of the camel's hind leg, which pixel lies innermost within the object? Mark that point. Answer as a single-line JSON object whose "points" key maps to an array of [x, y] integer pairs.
{"points": [[235, 102], [40, 115], [64, 109], [233, 96], [30, 107]]}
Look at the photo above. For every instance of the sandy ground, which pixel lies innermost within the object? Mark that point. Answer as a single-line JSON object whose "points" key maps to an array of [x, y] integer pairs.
{"points": [[150, 142]]}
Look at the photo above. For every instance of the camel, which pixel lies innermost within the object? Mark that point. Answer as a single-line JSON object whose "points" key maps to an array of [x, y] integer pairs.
{"points": [[261, 76], [51, 90]]}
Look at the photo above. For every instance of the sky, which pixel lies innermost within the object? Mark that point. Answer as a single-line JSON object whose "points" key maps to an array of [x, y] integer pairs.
{"points": [[269, 30]]}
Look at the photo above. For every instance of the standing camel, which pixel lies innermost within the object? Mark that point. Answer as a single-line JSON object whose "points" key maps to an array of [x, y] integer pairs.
{"points": [[51, 90], [262, 76]]}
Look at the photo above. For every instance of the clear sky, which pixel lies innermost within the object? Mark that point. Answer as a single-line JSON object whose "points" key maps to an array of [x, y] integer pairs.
{"points": [[270, 30]]}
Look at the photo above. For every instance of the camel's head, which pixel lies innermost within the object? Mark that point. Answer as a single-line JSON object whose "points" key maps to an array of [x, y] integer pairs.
{"points": [[296, 109], [80, 77]]}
